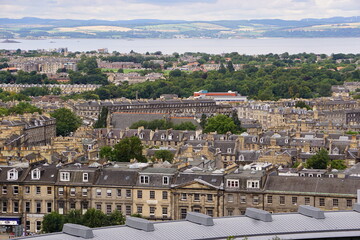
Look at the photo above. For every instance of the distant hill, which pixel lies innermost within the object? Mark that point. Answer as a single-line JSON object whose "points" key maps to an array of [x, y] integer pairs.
{"points": [[152, 28]]}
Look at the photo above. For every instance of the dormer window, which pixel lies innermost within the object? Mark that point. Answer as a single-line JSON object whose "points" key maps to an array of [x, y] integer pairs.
{"points": [[261, 140], [162, 136], [218, 150], [141, 136], [229, 150], [64, 176], [231, 183], [144, 179], [241, 158], [286, 140], [192, 137], [12, 174], [165, 180], [170, 137], [35, 174], [253, 184], [85, 177]]}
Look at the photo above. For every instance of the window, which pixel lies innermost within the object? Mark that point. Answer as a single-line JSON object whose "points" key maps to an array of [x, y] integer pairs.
{"points": [[232, 183], [349, 203], [15, 207], [85, 206], [49, 190], [118, 192], [27, 207], [242, 199], [108, 192], [128, 193], [209, 197], [164, 212], [230, 212], [4, 189], [98, 206], [152, 194], [85, 177], [294, 200], [49, 207], [35, 174], [307, 201], [61, 191], [84, 192], [128, 210], [72, 205], [229, 150], [256, 200], [152, 211], [98, 192], [38, 190], [144, 179], [108, 208], [282, 200], [12, 174], [322, 202], [253, 184], [27, 190], [16, 189], [230, 198], [61, 207], [335, 202], [139, 193], [165, 180], [139, 209], [38, 226], [72, 191], [38, 207], [183, 196], [27, 226], [269, 199], [4, 207], [118, 207], [164, 195], [196, 197], [183, 212], [64, 176], [210, 212]]}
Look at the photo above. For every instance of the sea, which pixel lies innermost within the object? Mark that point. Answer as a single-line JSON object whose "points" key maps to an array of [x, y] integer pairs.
{"points": [[212, 46]]}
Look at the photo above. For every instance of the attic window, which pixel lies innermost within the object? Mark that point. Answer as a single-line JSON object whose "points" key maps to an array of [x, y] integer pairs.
{"points": [[85, 177], [229, 150], [162, 136], [286, 140], [12, 174], [192, 137], [144, 179], [218, 150], [261, 140], [241, 158], [252, 184], [170, 137], [65, 176], [254, 139], [141, 136], [35, 174]]}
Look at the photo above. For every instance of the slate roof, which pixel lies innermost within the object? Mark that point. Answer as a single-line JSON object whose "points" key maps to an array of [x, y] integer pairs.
{"points": [[117, 177]]}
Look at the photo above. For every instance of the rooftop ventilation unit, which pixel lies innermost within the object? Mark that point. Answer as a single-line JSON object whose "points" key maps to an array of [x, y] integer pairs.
{"points": [[258, 214], [139, 223], [310, 211], [199, 218], [78, 230]]}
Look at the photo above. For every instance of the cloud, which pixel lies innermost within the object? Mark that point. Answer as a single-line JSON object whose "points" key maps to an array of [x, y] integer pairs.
{"points": [[179, 9]]}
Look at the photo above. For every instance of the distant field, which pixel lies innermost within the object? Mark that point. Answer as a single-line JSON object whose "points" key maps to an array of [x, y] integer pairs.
{"points": [[330, 26], [93, 29], [183, 27]]}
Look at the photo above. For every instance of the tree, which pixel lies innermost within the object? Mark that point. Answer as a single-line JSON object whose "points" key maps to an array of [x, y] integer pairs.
{"points": [[185, 126], [164, 155], [237, 122], [127, 149], [302, 104], [175, 73], [338, 164], [222, 69], [107, 153], [120, 70], [115, 218], [24, 107], [74, 216], [319, 161], [101, 122], [203, 120], [94, 218], [230, 66], [53, 222], [221, 124], [66, 121]]}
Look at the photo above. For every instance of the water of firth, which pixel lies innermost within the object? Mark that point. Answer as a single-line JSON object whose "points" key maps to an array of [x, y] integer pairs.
{"points": [[215, 46]]}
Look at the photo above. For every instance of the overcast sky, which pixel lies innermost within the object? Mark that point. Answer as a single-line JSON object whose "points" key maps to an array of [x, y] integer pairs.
{"points": [[179, 9]]}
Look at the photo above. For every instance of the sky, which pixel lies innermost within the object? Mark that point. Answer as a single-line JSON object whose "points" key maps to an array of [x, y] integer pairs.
{"points": [[193, 10]]}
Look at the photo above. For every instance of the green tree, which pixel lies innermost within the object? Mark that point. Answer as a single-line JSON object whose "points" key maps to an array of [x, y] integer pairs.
{"points": [[115, 218], [164, 155], [101, 122], [24, 107], [127, 149], [203, 120], [302, 104], [94, 218], [319, 161], [66, 121], [120, 70], [237, 122], [222, 69], [53, 222], [55, 91], [74, 216], [107, 153], [230, 66], [185, 126], [338, 164], [221, 124]]}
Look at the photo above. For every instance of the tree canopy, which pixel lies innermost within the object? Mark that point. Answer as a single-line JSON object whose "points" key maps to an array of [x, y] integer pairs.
{"points": [[164, 155], [221, 124], [319, 161], [66, 121]]}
